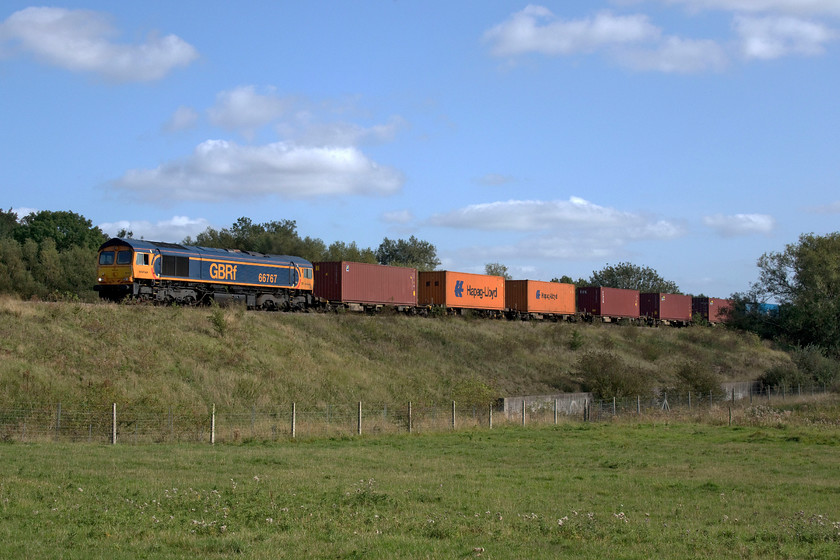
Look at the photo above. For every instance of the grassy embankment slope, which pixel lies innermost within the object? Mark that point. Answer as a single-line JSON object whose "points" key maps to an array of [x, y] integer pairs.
{"points": [[157, 356]]}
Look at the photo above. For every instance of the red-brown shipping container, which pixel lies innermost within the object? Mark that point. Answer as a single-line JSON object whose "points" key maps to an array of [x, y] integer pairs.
{"points": [[608, 302], [665, 307], [531, 296], [461, 290], [366, 284], [710, 309]]}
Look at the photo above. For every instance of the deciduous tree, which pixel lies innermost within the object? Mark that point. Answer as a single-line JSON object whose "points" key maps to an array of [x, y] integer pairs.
{"points": [[632, 277], [497, 269], [413, 252]]}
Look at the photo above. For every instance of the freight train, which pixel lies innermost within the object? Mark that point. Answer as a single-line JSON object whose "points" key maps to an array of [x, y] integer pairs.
{"points": [[190, 275]]}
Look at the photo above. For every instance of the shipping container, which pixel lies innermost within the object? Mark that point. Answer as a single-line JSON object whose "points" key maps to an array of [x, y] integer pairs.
{"points": [[608, 302], [542, 298], [461, 290], [365, 284], [665, 307], [712, 310]]}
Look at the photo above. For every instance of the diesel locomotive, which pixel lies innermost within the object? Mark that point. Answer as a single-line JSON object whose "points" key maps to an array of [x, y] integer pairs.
{"points": [[173, 273]]}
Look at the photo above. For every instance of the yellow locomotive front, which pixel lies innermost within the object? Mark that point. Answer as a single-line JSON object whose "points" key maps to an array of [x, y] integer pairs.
{"points": [[121, 267]]}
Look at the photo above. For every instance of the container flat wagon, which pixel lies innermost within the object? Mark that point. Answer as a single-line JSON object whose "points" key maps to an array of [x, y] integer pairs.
{"points": [[365, 286], [608, 303], [712, 310], [536, 300], [459, 291], [657, 307]]}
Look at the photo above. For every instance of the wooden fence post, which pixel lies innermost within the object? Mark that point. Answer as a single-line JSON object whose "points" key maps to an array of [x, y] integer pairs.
{"points": [[213, 425], [114, 424], [490, 416], [409, 417], [294, 420], [453, 415], [359, 421]]}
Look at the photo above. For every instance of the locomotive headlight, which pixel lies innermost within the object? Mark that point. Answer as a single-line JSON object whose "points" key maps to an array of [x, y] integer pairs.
{"points": [[99, 279]]}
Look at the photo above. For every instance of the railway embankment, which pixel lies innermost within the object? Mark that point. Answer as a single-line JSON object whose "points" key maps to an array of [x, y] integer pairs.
{"points": [[98, 354]]}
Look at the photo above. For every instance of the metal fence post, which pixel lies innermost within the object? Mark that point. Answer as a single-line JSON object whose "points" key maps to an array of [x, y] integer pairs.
{"points": [[359, 421]]}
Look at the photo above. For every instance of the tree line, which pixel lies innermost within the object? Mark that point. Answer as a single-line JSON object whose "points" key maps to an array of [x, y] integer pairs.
{"points": [[48, 255], [52, 255]]}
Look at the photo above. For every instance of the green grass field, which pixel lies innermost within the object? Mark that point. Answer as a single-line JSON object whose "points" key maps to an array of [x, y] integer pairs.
{"points": [[598, 490]]}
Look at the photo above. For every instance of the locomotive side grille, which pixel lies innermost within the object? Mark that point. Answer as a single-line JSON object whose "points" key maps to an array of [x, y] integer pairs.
{"points": [[175, 266]]}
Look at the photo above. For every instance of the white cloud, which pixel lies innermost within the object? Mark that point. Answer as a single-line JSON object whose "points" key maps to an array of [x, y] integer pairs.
{"points": [[173, 230], [557, 215], [245, 109], [23, 211], [776, 28], [574, 229], [795, 7], [677, 55], [398, 217], [831, 208], [740, 224], [536, 29], [773, 37], [495, 179], [80, 41], [220, 170], [182, 119], [344, 134]]}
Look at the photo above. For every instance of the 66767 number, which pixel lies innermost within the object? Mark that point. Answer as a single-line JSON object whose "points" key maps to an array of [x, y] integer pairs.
{"points": [[267, 278]]}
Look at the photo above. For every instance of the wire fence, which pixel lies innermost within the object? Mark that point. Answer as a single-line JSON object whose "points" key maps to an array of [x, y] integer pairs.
{"points": [[125, 424]]}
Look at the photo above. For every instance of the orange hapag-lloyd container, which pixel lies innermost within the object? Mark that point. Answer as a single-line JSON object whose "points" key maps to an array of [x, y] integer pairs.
{"points": [[461, 290], [532, 296]]}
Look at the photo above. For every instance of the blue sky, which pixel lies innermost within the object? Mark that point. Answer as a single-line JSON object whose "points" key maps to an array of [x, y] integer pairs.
{"points": [[690, 136]]}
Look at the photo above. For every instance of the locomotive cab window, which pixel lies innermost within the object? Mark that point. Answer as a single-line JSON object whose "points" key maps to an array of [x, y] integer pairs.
{"points": [[124, 257], [142, 258], [307, 273], [106, 257]]}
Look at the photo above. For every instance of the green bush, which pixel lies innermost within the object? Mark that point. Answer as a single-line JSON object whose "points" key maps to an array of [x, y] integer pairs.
{"points": [[694, 377], [606, 375], [782, 375], [815, 365]]}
